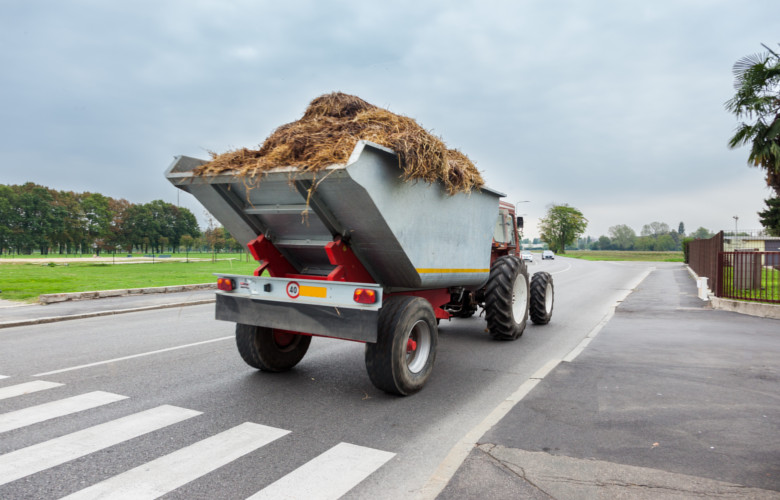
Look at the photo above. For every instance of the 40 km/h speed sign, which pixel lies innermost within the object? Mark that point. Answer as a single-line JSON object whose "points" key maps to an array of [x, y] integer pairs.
{"points": [[293, 290]]}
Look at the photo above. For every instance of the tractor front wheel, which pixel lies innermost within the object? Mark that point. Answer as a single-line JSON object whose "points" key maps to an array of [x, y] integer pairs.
{"points": [[270, 350], [402, 358], [542, 298], [506, 298]]}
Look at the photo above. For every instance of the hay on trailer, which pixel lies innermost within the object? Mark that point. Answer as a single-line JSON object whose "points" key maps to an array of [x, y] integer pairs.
{"points": [[328, 132]]}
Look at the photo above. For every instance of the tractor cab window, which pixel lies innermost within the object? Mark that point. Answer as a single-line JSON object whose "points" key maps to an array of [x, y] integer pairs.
{"points": [[504, 231]]}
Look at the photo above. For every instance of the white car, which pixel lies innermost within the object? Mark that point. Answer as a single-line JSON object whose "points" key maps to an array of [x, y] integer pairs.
{"points": [[527, 256], [547, 254]]}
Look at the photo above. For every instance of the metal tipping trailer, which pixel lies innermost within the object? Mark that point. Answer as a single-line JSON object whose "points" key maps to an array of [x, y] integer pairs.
{"points": [[354, 252]]}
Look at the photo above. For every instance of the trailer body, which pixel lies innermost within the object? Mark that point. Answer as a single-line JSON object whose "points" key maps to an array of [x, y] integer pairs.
{"points": [[337, 246]]}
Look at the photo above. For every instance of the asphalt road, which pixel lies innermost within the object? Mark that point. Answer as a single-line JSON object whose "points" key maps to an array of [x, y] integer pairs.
{"points": [[182, 358]]}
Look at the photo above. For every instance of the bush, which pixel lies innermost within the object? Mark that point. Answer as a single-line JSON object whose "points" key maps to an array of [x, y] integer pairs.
{"points": [[685, 246]]}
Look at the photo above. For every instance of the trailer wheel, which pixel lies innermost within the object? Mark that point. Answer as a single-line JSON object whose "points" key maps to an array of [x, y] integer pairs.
{"points": [[270, 350], [506, 298], [542, 298], [401, 360]]}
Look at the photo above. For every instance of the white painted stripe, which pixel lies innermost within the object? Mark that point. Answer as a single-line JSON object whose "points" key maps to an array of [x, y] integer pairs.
{"points": [[160, 476], [27, 461], [3, 376], [568, 267], [328, 476], [601, 324], [48, 411], [133, 356], [26, 388], [457, 455]]}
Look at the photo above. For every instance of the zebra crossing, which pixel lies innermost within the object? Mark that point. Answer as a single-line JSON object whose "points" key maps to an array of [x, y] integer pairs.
{"points": [[327, 476]]}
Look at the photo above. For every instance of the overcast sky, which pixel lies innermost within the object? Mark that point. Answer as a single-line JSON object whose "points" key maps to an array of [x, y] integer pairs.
{"points": [[614, 107]]}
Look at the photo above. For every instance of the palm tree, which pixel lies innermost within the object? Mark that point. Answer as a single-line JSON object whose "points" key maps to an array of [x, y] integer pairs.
{"points": [[757, 100]]}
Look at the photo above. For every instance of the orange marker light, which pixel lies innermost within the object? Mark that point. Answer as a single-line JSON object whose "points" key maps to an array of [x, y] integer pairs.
{"points": [[226, 284], [364, 296]]}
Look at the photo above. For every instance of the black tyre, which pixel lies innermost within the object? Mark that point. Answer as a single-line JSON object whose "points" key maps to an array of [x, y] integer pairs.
{"points": [[542, 298], [506, 298], [402, 358], [270, 350]]}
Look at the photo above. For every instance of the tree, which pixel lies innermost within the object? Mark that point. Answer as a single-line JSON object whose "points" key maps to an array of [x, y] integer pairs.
{"points": [[604, 242], [681, 230], [655, 229], [701, 234], [664, 243], [623, 237], [770, 218], [8, 217], [562, 226], [757, 100], [97, 218]]}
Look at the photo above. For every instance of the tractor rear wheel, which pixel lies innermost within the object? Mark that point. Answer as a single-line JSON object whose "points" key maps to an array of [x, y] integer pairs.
{"points": [[402, 358], [506, 298], [542, 298], [270, 350]]}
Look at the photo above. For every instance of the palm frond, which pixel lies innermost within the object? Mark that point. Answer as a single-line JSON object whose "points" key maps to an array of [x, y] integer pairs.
{"points": [[746, 63]]}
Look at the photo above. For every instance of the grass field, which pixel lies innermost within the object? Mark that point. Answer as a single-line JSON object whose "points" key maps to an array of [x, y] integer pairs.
{"points": [[631, 256], [768, 290], [24, 282]]}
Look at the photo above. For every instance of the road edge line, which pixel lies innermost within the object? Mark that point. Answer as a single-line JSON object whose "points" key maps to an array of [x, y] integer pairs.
{"points": [[460, 451], [457, 455]]}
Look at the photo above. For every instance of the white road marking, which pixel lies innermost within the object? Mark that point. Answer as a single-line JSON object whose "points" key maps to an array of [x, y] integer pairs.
{"points": [[568, 266], [26, 388], [601, 324], [457, 455], [328, 476], [160, 476], [48, 411], [3, 376], [133, 356], [21, 463]]}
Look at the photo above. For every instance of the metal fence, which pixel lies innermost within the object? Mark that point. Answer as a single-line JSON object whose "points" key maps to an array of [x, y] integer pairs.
{"points": [[703, 257], [749, 275]]}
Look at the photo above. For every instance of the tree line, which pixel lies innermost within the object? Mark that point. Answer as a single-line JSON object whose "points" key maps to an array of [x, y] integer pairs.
{"points": [[563, 226], [35, 218], [656, 236]]}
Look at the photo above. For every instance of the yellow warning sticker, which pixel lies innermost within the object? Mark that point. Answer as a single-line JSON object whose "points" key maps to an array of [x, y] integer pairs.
{"points": [[319, 292]]}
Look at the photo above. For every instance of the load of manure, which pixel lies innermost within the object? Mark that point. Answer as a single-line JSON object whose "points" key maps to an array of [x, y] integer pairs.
{"points": [[328, 132]]}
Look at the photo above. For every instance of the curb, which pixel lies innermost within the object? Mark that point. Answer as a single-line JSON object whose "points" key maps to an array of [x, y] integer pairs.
{"points": [[51, 298], [770, 311], [55, 319]]}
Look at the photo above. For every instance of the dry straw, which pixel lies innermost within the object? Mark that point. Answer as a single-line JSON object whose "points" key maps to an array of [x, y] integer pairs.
{"points": [[327, 134]]}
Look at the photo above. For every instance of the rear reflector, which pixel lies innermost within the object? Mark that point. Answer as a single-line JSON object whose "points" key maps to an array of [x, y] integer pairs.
{"points": [[226, 284], [364, 296]]}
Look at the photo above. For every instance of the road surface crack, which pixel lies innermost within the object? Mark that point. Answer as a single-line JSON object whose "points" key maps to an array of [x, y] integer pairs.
{"points": [[510, 468]]}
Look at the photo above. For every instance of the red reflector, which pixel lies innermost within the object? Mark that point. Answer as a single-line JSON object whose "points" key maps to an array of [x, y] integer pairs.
{"points": [[364, 296], [226, 284]]}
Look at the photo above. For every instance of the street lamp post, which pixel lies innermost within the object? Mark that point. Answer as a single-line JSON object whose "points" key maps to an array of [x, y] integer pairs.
{"points": [[736, 218], [522, 229]]}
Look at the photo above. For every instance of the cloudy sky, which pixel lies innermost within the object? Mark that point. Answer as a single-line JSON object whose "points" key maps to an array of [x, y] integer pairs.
{"points": [[614, 107]]}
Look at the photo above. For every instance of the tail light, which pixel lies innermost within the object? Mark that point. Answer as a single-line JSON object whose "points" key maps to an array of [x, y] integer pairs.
{"points": [[364, 296], [226, 284]]}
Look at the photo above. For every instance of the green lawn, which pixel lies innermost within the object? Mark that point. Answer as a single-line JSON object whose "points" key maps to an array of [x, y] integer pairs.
{"points": [[621, 255], [25, 282], [768, 289]]}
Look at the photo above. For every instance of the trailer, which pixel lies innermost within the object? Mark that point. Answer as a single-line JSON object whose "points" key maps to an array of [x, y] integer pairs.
{"points": [[354, 252]]}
